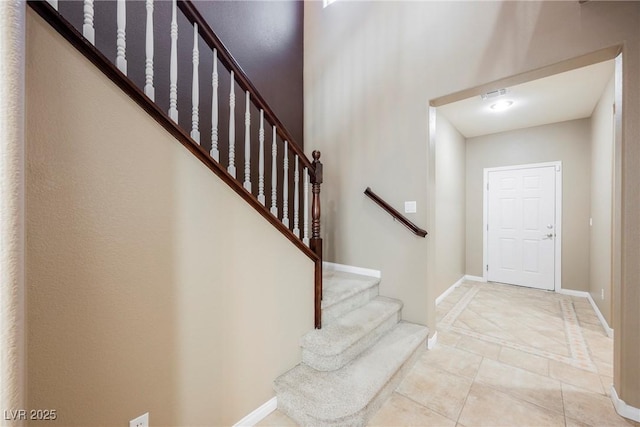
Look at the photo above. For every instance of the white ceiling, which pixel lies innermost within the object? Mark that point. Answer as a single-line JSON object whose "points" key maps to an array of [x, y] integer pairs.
{"points": [[565, 96]]}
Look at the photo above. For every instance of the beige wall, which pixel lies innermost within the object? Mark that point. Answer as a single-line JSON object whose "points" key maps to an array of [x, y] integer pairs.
{"points": [[12, 209], [450, 204], [568, 142], [601, 201], [151, 285], [371, 69]]}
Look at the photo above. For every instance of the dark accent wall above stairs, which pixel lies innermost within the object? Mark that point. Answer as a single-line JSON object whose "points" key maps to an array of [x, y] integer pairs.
{"points": [[265, 37]]}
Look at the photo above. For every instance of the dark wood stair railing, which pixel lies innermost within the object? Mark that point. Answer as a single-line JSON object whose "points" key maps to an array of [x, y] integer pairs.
{"points": [[193, 15], [85, 47], [395, 214]]}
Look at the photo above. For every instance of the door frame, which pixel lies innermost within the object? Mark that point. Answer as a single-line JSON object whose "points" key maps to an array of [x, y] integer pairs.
{"points": [[557, 281]]}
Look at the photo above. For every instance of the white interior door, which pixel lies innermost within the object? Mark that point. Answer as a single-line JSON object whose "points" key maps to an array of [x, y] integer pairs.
{"points": [[521, 219]]}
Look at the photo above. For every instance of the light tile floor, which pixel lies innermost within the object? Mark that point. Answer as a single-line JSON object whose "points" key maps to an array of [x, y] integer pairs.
{"points": [[506, 356]]}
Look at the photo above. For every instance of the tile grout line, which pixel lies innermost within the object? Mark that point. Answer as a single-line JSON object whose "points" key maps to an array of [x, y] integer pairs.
{"points": [[520, 399], [478, 313], [425, 406], [564, 410], [422, 405], [470, 387]]}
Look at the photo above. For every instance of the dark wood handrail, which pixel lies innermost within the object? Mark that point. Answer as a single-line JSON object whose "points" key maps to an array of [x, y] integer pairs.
{"points": [[395, 214], [193, 16], [314, 252]]}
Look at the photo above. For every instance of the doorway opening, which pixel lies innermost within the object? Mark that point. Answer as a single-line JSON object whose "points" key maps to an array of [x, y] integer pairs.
{"points": [[562, 113]]}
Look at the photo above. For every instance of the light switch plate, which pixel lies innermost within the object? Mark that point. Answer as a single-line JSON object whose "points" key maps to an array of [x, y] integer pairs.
{"points": [[410, 207]]}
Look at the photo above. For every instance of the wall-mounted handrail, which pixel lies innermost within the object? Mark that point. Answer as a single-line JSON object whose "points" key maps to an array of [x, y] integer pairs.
{"points": [[395, 214]]}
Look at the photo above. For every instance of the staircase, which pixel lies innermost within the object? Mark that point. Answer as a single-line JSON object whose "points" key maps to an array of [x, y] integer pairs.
{"points": [[351, 365]]}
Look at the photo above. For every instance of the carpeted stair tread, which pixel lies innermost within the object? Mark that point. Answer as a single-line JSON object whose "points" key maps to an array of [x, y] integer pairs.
{"points": [[338, 286], [344, 292], [345, 396], [340, 342]]}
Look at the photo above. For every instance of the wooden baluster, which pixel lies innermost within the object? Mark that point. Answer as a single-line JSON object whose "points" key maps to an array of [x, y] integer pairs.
{"points": [[247, 142], [149, 90], [195, 89], [88, 31], [261, 197], [215, 153], [53, 3], [296, 198], [274, 175], [121, 34], [285, 187], [305, 238], [173, 69], [315, 243], [232, 128]]}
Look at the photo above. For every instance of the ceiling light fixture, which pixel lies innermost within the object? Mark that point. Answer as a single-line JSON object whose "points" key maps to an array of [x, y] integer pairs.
{"points": [[493, 94], [501, 105]]}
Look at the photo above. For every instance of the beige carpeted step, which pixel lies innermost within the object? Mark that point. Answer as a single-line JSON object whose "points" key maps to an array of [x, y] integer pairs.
{"points": [[344, 292], [351, 394], [338, 343]]}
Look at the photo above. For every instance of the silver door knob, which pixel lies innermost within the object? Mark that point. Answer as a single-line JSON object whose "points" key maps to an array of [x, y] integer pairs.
{"points": [[549, 236], [549, 226]]}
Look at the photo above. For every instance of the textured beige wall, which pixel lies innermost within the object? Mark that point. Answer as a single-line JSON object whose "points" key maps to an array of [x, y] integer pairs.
{"points": [[12, 209], [601, 201], [371, 69], [450, 204], [568, 142], [151, 285]]}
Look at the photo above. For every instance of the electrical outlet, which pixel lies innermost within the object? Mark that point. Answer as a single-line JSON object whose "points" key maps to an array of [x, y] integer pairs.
{"points": [[590, 222], [602, 294], [141, 421]]}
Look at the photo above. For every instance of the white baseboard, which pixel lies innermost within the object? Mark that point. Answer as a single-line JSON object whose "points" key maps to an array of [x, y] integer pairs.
{"points": [[573, 293], [623, 409], [259, 414], [431, 342], [605, 325], [588, 296], [449, 290], [351, 269], [475, 278]]}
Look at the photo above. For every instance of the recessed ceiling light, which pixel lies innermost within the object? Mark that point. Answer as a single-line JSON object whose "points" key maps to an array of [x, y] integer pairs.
{"points": [[501, 105]]}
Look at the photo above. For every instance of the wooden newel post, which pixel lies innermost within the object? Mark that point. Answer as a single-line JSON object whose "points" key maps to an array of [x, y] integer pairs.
{"points": [[315, 242]]}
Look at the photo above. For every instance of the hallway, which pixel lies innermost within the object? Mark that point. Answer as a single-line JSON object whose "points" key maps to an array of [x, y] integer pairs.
{"points": [[507, 356]]}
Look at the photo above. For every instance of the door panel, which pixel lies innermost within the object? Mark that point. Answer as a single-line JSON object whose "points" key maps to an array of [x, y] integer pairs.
{"points": [[530, 258], [507, 254], [521, 221]]}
